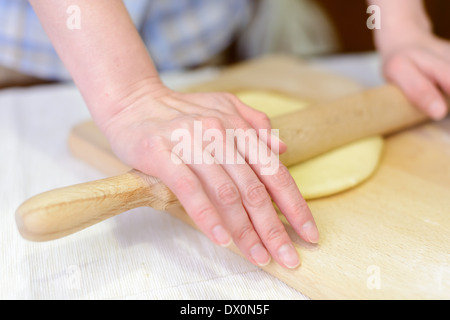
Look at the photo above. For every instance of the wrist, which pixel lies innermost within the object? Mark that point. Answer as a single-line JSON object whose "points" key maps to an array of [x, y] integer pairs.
{"points": [[403, 22], [115, 100]]}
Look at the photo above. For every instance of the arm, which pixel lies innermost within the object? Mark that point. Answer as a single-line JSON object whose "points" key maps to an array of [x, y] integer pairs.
{"points": [[137, 113], [413, 57], [106, 57]]}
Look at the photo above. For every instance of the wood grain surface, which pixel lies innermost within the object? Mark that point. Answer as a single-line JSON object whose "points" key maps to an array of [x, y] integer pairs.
{"points": [[386, 239]]}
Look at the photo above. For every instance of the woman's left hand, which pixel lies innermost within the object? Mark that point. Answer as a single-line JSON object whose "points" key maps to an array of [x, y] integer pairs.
{"points": [[420, 66]]}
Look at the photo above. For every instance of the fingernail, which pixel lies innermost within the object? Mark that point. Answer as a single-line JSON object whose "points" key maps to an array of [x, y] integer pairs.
{"points": [[437, 110], [277, 138], [276, 144], [260, 255], [289, 256], [222, 236], [310, 232]]}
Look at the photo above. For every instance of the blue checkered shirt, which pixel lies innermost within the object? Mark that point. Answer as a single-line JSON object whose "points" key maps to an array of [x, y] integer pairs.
{"points": [[177, 33]]}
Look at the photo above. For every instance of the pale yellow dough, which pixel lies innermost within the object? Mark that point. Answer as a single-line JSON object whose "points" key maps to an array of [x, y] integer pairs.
{"points": [[332, 172]]}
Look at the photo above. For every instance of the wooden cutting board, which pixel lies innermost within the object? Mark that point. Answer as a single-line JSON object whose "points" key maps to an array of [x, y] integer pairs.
{"points": [[388, 238]]}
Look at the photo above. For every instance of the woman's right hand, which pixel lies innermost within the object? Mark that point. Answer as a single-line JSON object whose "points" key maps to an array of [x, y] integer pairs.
{"points": [[228, 200], [111, 66]]}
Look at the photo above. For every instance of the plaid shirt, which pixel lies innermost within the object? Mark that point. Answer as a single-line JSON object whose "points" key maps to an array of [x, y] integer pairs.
{"points": [[177, 33]]}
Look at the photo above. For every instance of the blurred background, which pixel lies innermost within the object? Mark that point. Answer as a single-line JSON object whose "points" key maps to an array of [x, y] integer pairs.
{"points": [[347, 19], [317, 27], [306, 28]]}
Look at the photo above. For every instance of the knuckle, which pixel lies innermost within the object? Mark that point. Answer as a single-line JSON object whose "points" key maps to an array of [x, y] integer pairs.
{"points": [[227, 194], [237, 121], [395, 66], [212, 122], [202, 215], [137, 152], [256, 195], [186, 184], [243, 233], [224, 101], [275, 234], [263, 116], [153, 144], [181, 122], [283, 178], [229, 96], [298, 207]]}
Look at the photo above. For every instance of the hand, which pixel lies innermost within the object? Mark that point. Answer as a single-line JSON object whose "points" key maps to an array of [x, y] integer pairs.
{"points": [[111, 66], [227, 201], [420, 65]]}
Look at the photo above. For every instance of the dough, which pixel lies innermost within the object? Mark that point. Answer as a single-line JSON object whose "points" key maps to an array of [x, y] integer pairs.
{"points": [[332, 172]]}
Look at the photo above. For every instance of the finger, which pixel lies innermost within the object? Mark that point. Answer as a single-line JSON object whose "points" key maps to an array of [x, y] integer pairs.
{"points": [[285, 193], [256, 118], [259, 206], [280, 186], [261, 123], [436, 69], [226, 197], [442, 49], [416, 86], [189, 191]]}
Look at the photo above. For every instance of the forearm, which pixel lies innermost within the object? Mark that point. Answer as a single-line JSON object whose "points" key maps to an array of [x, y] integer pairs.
{"points": [[105, 57], [401, 21]]}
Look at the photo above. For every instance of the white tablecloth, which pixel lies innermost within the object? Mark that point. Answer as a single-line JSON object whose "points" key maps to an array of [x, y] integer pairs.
{"points": [[141, 254]]}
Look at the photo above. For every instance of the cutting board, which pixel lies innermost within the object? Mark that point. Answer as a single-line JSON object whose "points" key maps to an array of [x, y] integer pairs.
{"points": [[388, 238]]}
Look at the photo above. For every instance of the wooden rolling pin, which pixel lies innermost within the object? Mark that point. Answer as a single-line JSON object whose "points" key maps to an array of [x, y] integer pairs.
{"points": [[307, 133]]}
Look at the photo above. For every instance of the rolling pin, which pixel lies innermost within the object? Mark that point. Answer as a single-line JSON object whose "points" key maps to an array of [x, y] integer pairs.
{"points": [[307, 133]]}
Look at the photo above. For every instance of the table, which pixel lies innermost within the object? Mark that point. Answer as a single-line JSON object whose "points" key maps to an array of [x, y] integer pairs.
{"points": [[141, 254]]}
